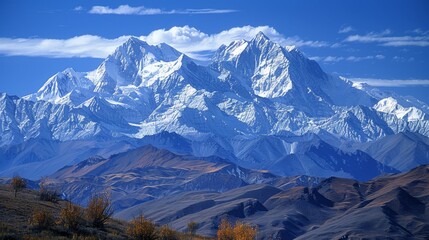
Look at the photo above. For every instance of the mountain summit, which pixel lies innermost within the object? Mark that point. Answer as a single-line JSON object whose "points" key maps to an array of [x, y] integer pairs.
{"points": [[258, 103]]}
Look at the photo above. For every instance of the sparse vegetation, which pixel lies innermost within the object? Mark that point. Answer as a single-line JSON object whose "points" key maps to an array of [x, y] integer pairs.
{"points": [[64, 220], [17, 183], [99, 210], [71, 216], [141, 228], [241, 231], [166, 233], [46, 194], [225, 230], [42, 219], [192, 227]]}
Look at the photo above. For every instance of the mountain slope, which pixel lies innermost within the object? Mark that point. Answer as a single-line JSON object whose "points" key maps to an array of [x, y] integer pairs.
{"points": [[402, 151]]}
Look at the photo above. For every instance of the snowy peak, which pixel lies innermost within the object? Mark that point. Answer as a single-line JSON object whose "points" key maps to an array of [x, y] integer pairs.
{"points": [[61, 84], [260, 40], [129, 63], [261, 37], [391, 106], [137, 50], [270, 70], [251, 88]]}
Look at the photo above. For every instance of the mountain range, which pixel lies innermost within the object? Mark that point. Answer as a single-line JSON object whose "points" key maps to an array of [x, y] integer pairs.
{"points": [[257, 104], [392, 207], [260, 134]]}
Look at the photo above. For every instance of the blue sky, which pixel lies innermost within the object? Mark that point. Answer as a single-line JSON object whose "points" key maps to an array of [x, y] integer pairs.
{"points": [[385, 43]]}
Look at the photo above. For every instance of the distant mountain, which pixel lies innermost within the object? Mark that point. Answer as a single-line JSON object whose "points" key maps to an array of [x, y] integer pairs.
{"points": [[386, 207], [148, 173], [37, 158], [402, 151], [255, 104]]}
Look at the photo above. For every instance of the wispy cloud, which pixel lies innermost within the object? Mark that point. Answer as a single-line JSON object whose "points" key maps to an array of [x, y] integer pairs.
{"points": [[346, 29], [333, 59], [141, 10], [383, 39], [80, 46], [78, 8], [189, 40], [391, 82]]}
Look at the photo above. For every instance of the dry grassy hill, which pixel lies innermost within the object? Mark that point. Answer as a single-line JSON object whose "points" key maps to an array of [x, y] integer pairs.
{"points": [[16, 220], [16, 214]]}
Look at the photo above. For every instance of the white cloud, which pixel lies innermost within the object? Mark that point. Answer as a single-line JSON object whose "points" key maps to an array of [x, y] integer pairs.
{"points": [[358, 59], [332, 59], [346, 29], [391, 41], [189, 40], [80, 46], [141, 10], [391, 82]]}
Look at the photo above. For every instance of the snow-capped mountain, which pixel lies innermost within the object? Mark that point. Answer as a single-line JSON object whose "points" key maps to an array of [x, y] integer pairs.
{"points": [[253, 89]]}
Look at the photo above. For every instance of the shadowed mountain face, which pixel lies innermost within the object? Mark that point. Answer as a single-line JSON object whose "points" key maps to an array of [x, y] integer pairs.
{"points": [[402, 151], [394, 206]]}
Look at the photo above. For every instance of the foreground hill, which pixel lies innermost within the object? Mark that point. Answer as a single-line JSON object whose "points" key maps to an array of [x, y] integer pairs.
{"points": [[16, 222], [15, 215], [393, 206]]}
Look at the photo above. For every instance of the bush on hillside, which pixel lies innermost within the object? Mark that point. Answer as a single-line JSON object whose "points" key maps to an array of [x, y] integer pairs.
{"points": [[192, 227], [99, 210], [47, 194], [17, 183], [225, 231], [41, 219], [241, 231], [244, 231], [71, 216], [141, 228], [166, 233]]}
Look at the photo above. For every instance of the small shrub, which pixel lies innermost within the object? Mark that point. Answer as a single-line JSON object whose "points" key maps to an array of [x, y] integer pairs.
{"points": [[166, 233], [241, 231], [17, 183], [244, 231], [99, 210], [192, 227], [225, 231], [141, 228], [41, 219], [71, 216], [46, 194]]}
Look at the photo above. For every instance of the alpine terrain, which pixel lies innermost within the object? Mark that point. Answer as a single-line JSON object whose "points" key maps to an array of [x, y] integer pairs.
{"points": [[257, 104], [260, 134]]}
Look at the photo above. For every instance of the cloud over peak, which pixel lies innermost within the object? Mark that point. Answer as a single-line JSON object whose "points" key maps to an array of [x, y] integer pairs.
{"points": [[189, 40]]}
